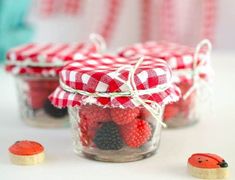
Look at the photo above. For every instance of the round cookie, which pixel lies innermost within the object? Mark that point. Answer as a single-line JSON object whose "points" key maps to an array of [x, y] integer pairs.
{"points": [[207, 166], [26, 153]]}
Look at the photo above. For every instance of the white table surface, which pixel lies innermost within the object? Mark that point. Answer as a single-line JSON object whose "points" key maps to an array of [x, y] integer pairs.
{"points": [[215, 133]]}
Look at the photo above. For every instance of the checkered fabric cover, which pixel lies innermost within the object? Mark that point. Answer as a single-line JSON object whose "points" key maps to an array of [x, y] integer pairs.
{"points": [[45, 59], [36, 71], [177, 56], [96, 73]]}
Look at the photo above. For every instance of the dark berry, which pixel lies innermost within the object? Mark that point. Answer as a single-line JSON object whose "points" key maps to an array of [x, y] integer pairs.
{"points": [[108, 137], [53, 111]]}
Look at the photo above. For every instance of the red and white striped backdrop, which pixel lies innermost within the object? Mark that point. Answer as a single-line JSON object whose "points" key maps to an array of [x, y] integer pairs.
{"points": [[51, 7], [158, 19], [146, 20], [209, 19]]}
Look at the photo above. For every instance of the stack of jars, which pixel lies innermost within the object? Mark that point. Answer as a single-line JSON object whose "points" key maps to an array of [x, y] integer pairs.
{"points": [[117, 103]]}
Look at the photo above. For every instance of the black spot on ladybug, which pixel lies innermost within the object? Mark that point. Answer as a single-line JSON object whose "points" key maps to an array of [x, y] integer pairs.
{"points": [[200, 161], [223, 164], [17, 142]]}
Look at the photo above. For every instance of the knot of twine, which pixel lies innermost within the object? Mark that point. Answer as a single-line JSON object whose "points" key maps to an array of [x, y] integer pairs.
{"points": [[153, 107], [197, 80]]}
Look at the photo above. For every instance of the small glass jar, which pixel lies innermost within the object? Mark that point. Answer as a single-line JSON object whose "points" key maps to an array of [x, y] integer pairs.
{"points": [[36, 69], [183, 112], [35, 107], [115, 113], [108, 139], [187, 64]]}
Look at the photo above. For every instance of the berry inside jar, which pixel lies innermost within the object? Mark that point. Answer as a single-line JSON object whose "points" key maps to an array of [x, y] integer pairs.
{"points": [[115, 134], [183, 112], [37, 109]]}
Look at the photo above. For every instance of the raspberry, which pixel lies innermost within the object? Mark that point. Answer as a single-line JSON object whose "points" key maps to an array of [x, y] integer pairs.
{"points": [[88, 129], [108, 137], [53, 111], [36, 99], [171, 111], [124, 116], [136, 133], [39, 84], [39, 88], [184, 86], [95, 113]]}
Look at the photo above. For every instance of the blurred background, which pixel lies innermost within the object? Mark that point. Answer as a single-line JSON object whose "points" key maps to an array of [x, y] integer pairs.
{"points": [[120, 22]]}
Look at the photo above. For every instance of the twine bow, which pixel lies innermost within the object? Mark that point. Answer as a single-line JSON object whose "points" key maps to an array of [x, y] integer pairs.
{"points": [[153, 107], [196, 67]]}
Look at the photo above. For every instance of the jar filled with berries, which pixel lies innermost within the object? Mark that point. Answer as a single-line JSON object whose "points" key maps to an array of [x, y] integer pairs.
{"points": [[191, 73], [115, 105], [36, 68]]}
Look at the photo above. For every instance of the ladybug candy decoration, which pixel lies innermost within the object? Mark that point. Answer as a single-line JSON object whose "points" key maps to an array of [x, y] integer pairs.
{"points": [[36, 68], [191, 71], [115, 105], [207, 166]]}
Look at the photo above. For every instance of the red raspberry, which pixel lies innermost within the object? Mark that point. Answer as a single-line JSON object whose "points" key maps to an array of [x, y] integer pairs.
{"points": [[88, 130], [184, 86], [171, 111], [39, 84], [136, 133], [36, 99], [124, 116], [38, 91], [51, 85], [95, 113]]}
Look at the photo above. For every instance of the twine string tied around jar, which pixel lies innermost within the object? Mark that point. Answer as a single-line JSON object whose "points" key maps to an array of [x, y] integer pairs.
{"points": [[197, 80], [153, 107]]}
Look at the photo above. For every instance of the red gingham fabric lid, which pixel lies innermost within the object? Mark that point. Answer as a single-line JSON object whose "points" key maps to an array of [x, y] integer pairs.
{"points": [[97, 73], [176, 55], [45, 59]]}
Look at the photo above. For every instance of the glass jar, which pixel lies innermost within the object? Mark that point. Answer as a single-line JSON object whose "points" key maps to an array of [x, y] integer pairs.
{"points": [[115, 113], [102, 134], [36, 68], [188, 64], [35, 107], [183, 112]]}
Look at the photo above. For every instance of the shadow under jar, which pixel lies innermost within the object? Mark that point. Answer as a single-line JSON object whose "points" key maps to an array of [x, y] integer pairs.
{"points": [[110, 121]]}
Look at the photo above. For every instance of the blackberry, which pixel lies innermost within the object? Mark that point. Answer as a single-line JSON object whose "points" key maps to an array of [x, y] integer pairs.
{"points": [[53, 111], [108, 137]]}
